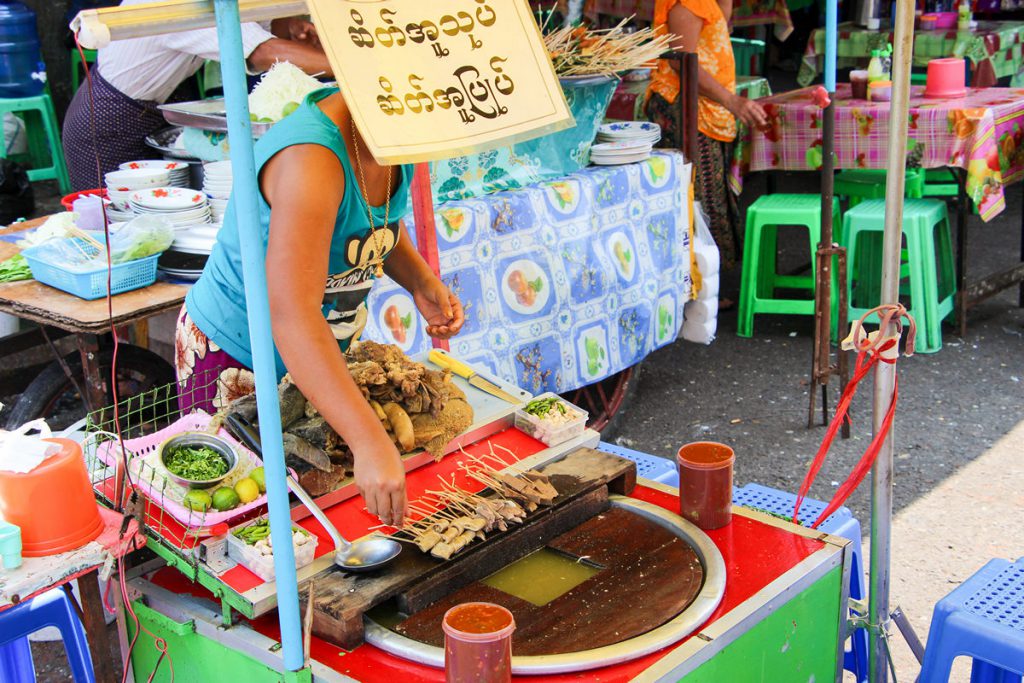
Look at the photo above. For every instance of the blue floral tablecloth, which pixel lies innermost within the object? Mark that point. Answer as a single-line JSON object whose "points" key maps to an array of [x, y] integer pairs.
{"points": [[564, 282]]}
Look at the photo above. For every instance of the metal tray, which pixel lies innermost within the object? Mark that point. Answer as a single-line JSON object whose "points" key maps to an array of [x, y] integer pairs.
{"points": [[163, 141], [205, 115]]}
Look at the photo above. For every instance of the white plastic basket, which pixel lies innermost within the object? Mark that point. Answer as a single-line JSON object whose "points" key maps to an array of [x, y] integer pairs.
{"points": [[263, 565], [546, 432]]}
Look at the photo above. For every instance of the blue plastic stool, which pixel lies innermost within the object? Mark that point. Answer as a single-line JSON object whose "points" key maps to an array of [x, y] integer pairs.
{"points": [[52, 608], [647, 466], [16, 663], [839, 523], [983, 618]]}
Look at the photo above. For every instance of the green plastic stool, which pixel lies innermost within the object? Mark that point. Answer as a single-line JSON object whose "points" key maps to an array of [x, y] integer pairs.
{"points": [[931, 266], [940, 182], [748, 54], [76, 66], [40, 107], [862, 183], [759, 278]]}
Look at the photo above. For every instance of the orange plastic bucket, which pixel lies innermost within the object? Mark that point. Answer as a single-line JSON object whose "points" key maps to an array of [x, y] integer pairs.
{"points": [[53, 504]]}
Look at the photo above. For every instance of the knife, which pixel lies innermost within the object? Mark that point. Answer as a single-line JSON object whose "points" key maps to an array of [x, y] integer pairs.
{"points": [[470, 375]]}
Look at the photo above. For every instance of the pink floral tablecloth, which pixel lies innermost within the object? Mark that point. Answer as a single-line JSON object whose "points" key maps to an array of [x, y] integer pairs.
{"points": [[982, 132]]}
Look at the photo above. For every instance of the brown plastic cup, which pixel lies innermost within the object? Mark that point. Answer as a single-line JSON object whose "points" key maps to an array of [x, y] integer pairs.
{"points": [[705, 483], [478, 643], [859, 84]]}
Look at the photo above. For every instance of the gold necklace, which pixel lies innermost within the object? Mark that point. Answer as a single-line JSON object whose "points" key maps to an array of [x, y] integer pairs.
{"points": [[378, 237]]}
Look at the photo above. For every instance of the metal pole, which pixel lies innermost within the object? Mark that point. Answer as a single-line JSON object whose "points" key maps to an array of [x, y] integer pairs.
{"points": [[244, 196], [885, 373]]}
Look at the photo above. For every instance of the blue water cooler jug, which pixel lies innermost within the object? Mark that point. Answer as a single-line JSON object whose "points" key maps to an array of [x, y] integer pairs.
{"points": [[22, 73]]}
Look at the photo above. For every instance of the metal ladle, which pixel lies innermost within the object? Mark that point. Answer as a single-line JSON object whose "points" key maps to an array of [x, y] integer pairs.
{"points": [[358, 556]]}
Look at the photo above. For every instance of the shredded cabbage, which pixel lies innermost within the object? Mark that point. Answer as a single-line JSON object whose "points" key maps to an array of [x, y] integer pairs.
{"points": [[55, 226], [279, 92]]}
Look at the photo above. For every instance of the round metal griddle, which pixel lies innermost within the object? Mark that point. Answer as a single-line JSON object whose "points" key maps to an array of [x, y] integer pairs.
{"points": [[697, 611]]}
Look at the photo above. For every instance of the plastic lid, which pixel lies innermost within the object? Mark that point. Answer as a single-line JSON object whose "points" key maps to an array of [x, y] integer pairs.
{"points": [[876, 53]]}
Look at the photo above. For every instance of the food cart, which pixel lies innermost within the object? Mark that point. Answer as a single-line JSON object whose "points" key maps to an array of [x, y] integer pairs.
{"points": [[744, 602]]}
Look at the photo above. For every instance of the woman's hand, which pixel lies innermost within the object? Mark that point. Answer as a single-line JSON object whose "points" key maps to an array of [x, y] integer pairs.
{"points": [[748, 111], [303, 31], [380, 478], [441, 309]]}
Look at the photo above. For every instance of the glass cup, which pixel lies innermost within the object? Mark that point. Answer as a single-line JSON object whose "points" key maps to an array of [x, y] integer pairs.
{"points": [[705, 483], [859, 84], [478, 643]]}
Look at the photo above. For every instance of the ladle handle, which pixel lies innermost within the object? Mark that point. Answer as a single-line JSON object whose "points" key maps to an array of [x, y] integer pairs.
{"points": [[245, 431]]}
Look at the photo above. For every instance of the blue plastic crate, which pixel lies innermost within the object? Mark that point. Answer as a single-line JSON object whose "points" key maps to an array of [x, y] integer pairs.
{"points": [[647, 466], [92, 284]]}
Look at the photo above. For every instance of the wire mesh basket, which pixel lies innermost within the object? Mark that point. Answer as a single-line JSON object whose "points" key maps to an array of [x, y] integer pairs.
{"points": [[128, 467]]}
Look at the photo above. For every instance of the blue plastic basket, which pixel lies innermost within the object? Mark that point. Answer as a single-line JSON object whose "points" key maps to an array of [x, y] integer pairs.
{"points": [[92, 284]]}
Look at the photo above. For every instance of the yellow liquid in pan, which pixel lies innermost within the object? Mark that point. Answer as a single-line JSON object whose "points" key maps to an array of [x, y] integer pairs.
{"points": [[541, 576]]}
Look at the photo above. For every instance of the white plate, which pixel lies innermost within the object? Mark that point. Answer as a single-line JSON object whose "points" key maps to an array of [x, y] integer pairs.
{"points": [[620, 160], [168, 198], [163, 164], [618, 147], [623, 129], [183, 213], [218, 168], [136, 179]]}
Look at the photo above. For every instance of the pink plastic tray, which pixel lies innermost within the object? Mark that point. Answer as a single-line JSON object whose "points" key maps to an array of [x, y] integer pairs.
{"points": [[151, 482]]}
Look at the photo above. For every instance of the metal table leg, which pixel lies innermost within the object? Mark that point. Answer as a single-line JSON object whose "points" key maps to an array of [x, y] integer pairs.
{"points": [[961, 253]]}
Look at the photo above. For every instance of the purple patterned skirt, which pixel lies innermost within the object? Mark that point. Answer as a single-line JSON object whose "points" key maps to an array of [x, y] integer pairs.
{"points": [[208, 378], [122, 125]]}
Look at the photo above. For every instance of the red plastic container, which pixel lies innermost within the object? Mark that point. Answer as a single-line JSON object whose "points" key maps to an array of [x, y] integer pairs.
{"points": [[69, 201], [478, 643], [705, 483], [946, 78], [53, 504]]}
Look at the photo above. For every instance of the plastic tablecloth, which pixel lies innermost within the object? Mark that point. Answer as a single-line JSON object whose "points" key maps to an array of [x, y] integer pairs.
{"points": [[564, 282], [993, 48], [982, 132]]}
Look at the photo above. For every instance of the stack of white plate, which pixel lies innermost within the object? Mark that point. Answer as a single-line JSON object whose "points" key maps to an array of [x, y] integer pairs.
{"points": [[217, 186], [197, 239], [181, 207], [177, 170], [123, 183], [615, 153], [630, 131]]}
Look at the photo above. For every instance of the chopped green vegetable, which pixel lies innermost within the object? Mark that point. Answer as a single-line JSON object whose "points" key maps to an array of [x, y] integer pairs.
{"points": [[14, 269], [542, 406], [258, 531], [196, 463]]}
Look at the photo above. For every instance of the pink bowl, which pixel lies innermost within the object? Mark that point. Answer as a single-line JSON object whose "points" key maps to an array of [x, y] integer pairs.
{"points": [[945, 77], [945, 19]]}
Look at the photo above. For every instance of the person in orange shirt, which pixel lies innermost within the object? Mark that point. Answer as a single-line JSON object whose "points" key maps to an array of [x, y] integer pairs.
{"points": [[702, 26]]}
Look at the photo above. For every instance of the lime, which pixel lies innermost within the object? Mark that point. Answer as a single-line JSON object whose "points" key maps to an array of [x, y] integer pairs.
{"points": [[225, 498], [248, 490], [198, 500], [257, 476]]}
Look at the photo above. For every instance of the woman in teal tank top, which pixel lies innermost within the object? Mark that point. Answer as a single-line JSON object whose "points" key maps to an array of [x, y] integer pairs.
{"points": [[330, 221]]}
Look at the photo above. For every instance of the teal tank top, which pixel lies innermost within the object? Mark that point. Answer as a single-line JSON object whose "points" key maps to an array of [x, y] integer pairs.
{"points": [[216, 303]]}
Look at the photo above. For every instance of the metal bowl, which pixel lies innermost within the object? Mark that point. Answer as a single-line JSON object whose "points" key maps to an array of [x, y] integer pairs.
{"points": [[216, 443]]}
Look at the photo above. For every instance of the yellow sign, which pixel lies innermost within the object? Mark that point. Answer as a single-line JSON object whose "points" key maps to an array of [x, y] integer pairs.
{"points": [[432, 80]]}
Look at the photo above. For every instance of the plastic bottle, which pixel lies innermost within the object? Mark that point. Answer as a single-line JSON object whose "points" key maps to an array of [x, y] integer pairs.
{"points": [[21, 71], [875, 70], [963, 19]]}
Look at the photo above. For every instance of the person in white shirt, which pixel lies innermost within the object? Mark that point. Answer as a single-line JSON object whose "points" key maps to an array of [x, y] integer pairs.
{"points": [[135, 75]]}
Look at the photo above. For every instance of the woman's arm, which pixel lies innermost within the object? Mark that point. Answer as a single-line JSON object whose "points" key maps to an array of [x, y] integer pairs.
{"points": [[301, 227], [686, 26], [310, 59], [441, 309]]}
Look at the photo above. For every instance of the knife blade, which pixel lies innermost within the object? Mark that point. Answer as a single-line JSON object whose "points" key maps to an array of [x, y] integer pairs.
{"points": [[470, 375]]}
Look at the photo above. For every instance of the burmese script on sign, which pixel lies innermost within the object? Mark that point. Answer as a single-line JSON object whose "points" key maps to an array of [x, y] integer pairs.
{"points": [[432, 80]]}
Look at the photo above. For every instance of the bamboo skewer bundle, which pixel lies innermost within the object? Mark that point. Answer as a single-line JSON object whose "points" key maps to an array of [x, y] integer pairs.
{"points": [[452, 517], [579, 51]]}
